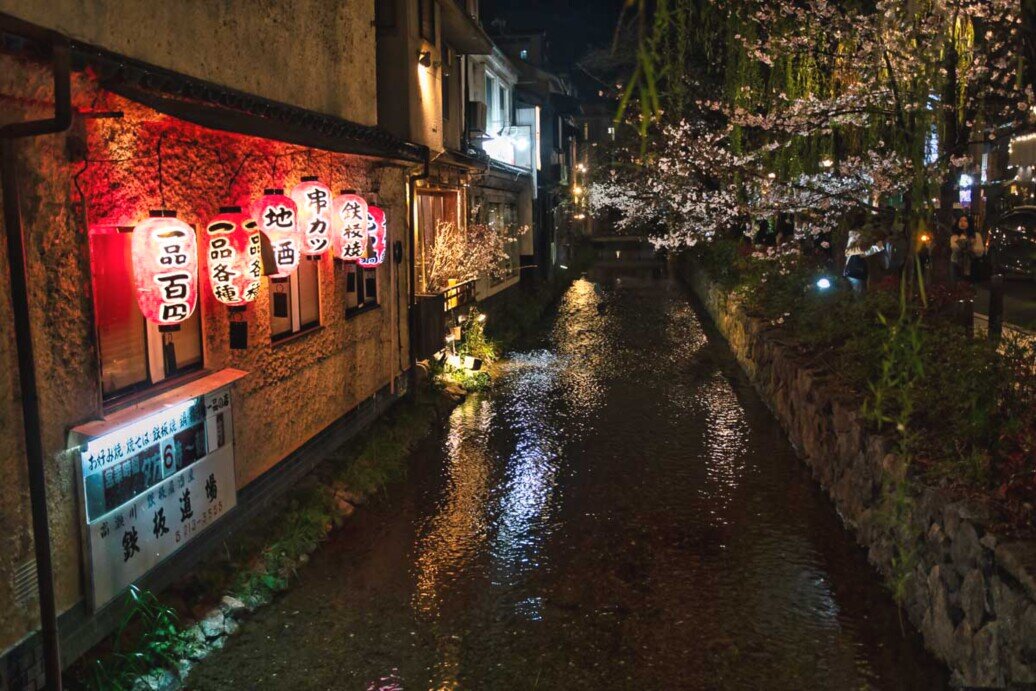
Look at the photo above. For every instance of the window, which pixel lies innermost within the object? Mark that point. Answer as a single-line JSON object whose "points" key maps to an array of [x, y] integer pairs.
{"points": [[433, 207], [361, 287], [295, 301], [498, 103], [505, 216], [134, 353], [426, 19]]}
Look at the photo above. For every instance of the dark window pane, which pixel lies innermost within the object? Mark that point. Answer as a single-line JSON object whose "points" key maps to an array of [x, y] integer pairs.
{"points": [[309, 293], [120, 324], [280, 308]]}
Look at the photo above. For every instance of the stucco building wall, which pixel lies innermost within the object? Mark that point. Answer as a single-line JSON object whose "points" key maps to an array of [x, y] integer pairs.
{"points": [[241, 44], [104, 171]]}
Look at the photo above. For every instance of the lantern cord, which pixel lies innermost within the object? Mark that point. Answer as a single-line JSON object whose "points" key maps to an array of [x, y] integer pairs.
{"points": [[233, 178], [161, 185]]}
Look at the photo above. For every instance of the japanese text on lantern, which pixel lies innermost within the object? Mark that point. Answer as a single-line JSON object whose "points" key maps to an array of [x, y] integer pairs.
{"points": [[235, 257], [350, 215], [165, 269], [376, 237], [277, 217], [313, 200]]}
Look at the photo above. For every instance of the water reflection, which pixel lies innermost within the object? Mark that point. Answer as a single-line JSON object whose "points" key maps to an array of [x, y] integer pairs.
{"points": [[621, 511], [457, 531]]}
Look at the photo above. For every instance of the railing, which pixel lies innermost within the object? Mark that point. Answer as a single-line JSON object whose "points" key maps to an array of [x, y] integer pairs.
{"points": [[459, 295]]}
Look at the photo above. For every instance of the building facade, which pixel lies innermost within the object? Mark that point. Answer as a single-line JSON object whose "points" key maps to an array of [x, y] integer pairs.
{"points": [[152, 439]]}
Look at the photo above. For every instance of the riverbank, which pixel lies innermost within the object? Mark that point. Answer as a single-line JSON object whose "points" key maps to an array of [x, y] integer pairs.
{"points": [[970, 591], [163, 637], [620, 510]]}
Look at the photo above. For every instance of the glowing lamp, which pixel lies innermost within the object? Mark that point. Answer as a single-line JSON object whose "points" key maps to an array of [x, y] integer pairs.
{"points": [[165, 269], [277, 217], [350, 226], [313, 199], [235, 257], [823, 283], [376, 233]]}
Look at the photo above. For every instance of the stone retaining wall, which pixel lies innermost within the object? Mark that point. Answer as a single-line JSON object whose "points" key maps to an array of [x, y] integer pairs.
{"points": [[972, 595]]}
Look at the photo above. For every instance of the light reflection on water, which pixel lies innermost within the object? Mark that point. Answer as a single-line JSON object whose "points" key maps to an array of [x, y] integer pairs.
{"points": [[620, 511], [628, 431]]}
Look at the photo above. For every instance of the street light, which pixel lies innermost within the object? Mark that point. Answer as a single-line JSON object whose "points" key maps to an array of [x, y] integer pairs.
{"points": [[823, 283]]}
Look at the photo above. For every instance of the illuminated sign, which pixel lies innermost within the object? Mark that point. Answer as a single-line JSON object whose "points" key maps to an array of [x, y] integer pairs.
{"points": [[165, 269], [150, 486]]}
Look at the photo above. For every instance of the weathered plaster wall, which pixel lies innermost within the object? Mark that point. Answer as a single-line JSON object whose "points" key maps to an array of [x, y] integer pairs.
{"points": [[105, 171], [242, 44], [972, 594]]}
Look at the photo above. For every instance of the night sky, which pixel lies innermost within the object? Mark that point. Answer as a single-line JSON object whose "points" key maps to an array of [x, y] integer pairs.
{"points": [[573, 26]]}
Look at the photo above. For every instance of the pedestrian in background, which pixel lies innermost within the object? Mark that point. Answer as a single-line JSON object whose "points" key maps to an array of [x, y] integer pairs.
{"points": [[856, 253], [967, 248]]}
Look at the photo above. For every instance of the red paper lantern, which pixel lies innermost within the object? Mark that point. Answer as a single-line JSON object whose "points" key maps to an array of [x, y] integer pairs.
{"points": [[165, 268], [313, 199], [277, 217], [376, 237], [235, 257], [350, 227]]}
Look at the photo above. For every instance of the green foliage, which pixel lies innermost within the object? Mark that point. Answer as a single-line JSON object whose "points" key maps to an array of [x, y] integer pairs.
{"points": [[963, 411], [148, 637], [473, 341]]}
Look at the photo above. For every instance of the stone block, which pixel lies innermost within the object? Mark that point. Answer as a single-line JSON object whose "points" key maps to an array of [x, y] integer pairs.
{"points": [[973, 598]]}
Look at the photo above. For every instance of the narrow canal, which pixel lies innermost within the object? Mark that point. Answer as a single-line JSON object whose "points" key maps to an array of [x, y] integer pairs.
{"points": [[621, 512]]}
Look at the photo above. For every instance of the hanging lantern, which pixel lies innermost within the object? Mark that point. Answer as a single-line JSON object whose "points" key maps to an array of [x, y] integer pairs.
{"points": [[350, 226], [376, 237], [165, 269], [277, 217], [313, 200], [235, 257]]}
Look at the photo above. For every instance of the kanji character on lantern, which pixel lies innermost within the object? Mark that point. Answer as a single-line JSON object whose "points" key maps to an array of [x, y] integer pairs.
{"points": [[350, 226], [165, 268], [313, 199], [376, 237], [277, 216], [234, 256]]}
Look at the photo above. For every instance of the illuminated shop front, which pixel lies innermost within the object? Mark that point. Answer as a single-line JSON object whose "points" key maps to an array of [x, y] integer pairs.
{"points": [[202, 314]]}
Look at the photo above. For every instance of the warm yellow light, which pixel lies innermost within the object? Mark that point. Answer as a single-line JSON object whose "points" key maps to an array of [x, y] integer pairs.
{"points": [[577, 190], [925, 238]]}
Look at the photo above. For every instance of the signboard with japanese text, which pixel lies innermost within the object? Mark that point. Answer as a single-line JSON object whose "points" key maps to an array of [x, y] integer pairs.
{"points": [[151, 486]]}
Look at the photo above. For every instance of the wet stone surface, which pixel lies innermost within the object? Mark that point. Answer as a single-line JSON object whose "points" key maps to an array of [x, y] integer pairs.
{"points": [[620, 512]]}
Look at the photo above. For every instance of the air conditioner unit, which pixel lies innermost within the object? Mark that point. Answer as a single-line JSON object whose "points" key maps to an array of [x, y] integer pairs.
{"points": [[477, 115]]}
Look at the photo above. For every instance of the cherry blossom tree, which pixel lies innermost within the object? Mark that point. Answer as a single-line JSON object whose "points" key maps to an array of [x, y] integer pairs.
{"points": [[823, 109]]}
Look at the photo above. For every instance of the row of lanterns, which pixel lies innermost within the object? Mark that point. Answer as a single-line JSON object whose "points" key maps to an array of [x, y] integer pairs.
{"points": [[308, 222]]}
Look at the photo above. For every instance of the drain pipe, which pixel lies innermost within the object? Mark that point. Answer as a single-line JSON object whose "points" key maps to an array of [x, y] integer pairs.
{"points": [[9, 134], [412, 255]]}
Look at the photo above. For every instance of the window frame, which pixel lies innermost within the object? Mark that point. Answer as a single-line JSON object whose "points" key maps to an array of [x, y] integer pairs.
{"points": [[157, 375], [426, 24], [356, 285], [296, 325]]}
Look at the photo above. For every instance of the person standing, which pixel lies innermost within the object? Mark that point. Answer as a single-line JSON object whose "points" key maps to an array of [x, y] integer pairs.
{"points": [[856, 253], [966, 248]]}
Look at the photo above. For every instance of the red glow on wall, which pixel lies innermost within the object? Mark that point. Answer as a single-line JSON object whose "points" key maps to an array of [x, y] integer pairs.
{"points": [[165, 269], [277, 217], [235, 257], [350, 227], [377, 232], [313, 199]]}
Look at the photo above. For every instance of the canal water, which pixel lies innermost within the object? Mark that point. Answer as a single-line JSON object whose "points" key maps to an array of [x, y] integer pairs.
{"points": [[620, 512]]}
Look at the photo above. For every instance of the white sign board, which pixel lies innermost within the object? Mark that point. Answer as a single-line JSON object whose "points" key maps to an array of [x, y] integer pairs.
{"points": [[151, 486]]}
